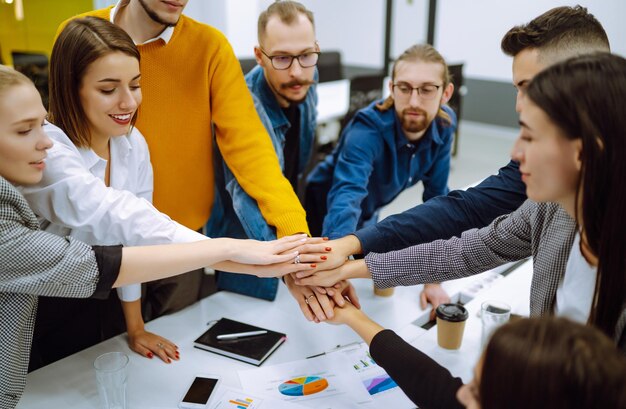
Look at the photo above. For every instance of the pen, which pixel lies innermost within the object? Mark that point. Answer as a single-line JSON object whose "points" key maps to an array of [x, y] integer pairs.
{"points": [[241, 334]]}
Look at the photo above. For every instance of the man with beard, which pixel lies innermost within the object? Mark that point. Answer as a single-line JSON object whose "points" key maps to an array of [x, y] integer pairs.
{"points": [[192, 83], [284, 93], [387, 147]]}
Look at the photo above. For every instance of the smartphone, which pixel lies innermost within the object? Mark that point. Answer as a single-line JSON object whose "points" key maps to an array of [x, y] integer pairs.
{"points": [[199, 393]]}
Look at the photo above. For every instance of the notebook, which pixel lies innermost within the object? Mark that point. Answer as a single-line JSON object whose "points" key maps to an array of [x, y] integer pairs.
{"points": [[253, 349]]}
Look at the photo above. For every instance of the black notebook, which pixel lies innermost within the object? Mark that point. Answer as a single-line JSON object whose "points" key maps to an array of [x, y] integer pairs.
{"points": [[251, 349]]}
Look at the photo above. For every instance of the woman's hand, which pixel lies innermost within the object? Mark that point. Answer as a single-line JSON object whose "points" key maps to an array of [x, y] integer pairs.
{"points": [[328, 278], [264, 252], [148, 344]]}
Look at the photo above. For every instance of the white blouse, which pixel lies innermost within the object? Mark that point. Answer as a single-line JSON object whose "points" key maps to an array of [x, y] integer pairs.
{"points": [[72, 198], [575, 292]]}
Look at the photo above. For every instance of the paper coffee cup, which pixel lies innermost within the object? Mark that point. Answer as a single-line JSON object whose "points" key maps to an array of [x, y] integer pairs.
{"points": [[450, 325], [383, 292]]}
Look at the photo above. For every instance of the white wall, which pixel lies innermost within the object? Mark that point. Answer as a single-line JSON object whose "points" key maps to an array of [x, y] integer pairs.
{"points": [[467, 31], [471, 31]]}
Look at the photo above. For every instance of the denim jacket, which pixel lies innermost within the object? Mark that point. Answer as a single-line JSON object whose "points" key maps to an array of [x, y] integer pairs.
{"points": [[235, 213], [372, 164]]}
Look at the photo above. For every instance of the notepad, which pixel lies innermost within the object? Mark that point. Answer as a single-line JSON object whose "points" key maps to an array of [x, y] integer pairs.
{"points": [[253, 350]]}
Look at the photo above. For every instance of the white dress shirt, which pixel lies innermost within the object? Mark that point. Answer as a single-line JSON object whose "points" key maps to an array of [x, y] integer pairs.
{"points": [[72, 198], [575, 293]]}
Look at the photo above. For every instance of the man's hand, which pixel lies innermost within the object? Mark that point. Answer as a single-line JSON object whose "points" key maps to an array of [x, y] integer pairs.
{"points": [[328, 278], [434, 294]]}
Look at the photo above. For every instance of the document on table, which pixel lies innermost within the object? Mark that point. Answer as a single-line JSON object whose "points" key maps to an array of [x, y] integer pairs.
{"points": [[324, 382], [232, 398], [384, 391]]}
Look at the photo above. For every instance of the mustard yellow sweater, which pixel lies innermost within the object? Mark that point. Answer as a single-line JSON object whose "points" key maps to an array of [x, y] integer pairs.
{"points": [[187, 84]]}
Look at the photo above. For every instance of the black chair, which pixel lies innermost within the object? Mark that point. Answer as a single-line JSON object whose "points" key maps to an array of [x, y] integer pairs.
{"points": [[35, 67], [329, 66], [247, 64], [455, 102], [364, 90]]}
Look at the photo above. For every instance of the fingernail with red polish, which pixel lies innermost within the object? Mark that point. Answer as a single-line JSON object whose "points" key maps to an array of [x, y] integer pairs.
{"points": [[323, 257], [328, 248], [326, 238], [150, 355], [313, 265]]}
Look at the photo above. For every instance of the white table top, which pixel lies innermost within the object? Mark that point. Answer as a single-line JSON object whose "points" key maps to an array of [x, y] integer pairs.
{"points": [[70, 383]]}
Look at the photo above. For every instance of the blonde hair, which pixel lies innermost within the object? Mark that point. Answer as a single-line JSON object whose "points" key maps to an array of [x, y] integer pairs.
{"points": [[424, 53], [10, 78], [287, 11]]}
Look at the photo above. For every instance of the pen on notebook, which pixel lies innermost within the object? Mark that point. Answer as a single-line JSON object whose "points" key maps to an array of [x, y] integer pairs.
{"points": [[235, 335]]}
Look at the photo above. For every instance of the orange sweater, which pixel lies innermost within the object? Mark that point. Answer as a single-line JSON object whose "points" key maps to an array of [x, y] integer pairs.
{"points": [[187, 84]]}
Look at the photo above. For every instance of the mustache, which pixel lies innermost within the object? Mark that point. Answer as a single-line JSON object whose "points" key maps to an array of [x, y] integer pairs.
{"points": [[293, 83], [413, 111]]}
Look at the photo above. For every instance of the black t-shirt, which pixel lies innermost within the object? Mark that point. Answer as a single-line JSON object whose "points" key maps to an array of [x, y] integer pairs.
{"points": [[291, 151]]}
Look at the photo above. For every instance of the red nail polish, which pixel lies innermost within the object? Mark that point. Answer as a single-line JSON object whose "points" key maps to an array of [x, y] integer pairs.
{"points": [[313, 265], [328, 248], [323, 257], [150, 355], [325, 238]]}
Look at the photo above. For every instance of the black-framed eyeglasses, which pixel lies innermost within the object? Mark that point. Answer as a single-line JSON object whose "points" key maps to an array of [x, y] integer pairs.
{"points": [[426, 92], [283, 62]]}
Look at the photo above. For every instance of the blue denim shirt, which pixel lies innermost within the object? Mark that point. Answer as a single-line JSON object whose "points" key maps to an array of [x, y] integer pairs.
{"points": [[235, 213], [373, 163]]}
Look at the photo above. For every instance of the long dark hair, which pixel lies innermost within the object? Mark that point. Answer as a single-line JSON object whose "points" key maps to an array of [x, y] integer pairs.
{"points": [[585, 97], [551, 363], [81, 42]]}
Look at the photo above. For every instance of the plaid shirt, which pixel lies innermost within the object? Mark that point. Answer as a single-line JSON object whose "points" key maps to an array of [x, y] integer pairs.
{"points": [[542, 230], [34, 263]]}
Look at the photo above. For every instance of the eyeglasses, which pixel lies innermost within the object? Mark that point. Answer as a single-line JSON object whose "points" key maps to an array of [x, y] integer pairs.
{"points": [[283, 62], [425, 92]]}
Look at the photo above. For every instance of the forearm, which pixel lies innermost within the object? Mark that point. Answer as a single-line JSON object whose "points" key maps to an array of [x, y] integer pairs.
{"points": [[365, 327], [132, 315], [148, 263]]}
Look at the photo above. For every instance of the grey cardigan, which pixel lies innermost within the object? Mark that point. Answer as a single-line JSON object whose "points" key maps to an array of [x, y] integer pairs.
{"points": [[34, 263], [542, 230]]}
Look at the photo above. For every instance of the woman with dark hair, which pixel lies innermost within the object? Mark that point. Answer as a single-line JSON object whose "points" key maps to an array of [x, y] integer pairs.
{"points": [[571, 151], [530, 363], [34, 263], [98, 185]]}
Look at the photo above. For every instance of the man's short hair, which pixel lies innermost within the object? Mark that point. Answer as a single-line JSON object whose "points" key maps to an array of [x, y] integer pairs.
{"points": [[559, 33], [287, 11]]}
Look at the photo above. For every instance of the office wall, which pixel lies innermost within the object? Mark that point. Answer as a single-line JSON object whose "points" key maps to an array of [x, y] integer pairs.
{"points": [[41, 20]]}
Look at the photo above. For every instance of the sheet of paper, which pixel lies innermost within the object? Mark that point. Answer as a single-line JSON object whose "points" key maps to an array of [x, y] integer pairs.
{"points": [[323, 382], [232, 398], [384, 391]]}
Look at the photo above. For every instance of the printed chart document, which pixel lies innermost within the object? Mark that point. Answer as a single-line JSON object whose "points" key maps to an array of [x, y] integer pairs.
{"points": [[232, 398], [385, 392], [323, 382]]}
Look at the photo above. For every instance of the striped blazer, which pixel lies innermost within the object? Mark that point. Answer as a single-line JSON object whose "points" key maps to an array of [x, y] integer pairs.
{"points": [[34, 263], [542, 230]]}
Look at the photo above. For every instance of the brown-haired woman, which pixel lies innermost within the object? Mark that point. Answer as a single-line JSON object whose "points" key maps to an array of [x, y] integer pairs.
{"points": [[530, 363], [98, 184]]}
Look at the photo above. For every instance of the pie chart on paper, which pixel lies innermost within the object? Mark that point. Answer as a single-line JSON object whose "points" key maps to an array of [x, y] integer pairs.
{"points": [[307, 385]]}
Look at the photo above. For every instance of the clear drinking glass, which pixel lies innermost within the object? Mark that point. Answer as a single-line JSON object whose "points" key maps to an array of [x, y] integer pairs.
{"points": [[493, 314], [111, 374]]}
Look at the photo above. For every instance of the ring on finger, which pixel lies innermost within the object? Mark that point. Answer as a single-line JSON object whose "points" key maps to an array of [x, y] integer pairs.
{"points": [[306, 300], [160, 345], [297, 259]]}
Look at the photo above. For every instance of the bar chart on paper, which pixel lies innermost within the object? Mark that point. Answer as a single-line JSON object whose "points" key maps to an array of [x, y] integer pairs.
{"points": [[308, 385]]}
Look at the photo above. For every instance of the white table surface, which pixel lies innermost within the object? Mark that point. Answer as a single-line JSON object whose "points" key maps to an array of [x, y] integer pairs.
{"points": [[70, 383]]}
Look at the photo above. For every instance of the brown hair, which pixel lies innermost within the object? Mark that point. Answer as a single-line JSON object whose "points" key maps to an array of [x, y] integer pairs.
{"points": [[287, 11], [10, 78], [562, 32], [551, 363], [584, 97], [423, 53], [81, 42]]}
